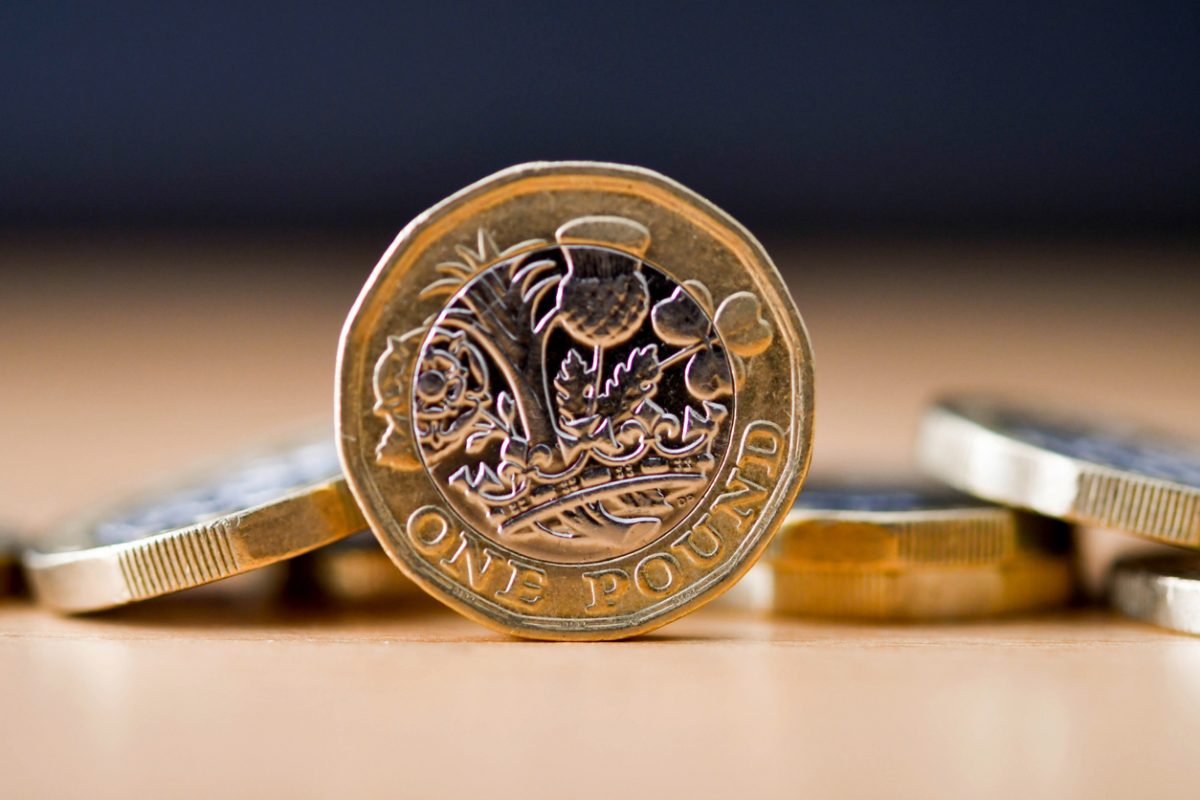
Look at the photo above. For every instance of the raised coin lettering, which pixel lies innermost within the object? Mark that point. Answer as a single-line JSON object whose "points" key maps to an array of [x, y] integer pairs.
{"points": [[428, 528], [526, 584], [607, 587], [701, 544], [656, 575]]}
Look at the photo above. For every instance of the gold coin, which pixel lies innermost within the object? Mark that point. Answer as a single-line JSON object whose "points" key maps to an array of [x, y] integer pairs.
{"points": [[929, 594], [354, 570], [913, 552], [574, 400], [897, 526], [1108, 474], [244, 514]]}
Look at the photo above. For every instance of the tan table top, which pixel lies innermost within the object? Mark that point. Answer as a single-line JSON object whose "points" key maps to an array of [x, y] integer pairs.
{"points": [[124, 358]]}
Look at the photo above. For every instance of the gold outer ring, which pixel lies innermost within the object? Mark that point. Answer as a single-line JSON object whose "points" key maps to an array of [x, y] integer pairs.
{"points": [[1162, 590], [931, 594], [907, 553], [973, 535], [87, 574], [957, 445]]}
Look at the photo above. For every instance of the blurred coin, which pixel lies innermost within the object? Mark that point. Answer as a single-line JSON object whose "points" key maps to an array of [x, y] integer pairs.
{"points": [[8, 560], [881, 527], [930, 593], [1103, 474], [243, 514], [354, 570], [915, 553], [1164, 590]]}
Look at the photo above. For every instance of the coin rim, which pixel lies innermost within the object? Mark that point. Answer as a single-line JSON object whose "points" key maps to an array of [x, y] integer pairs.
{"points": [[1144, 588], [1012, 525], [78, 575], [1061, 568], [958, 447]]}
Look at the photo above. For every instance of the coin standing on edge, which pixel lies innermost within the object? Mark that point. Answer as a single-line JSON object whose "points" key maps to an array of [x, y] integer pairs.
{"points": [[256, 510], [1103, 474], [1163, 590], [574, 400], [904, 553]]}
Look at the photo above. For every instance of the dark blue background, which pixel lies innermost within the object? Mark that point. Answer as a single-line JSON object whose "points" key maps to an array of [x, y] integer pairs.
{"points": [[797, 117]]}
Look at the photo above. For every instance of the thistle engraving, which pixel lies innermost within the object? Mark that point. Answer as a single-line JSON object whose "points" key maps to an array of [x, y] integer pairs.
{"points": [[570, 399]]}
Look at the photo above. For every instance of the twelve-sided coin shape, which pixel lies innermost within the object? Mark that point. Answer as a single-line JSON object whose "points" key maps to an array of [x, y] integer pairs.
{"points": [[573, 400]]}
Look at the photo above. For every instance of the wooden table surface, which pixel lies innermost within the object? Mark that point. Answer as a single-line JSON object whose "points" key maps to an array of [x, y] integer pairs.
{"points": [[124, 359]]}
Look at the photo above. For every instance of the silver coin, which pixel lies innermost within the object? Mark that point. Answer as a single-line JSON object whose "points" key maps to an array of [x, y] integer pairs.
{"points": [[1163, 590], [1107, 474], [240, 515], [882, 498], [260, 479]]}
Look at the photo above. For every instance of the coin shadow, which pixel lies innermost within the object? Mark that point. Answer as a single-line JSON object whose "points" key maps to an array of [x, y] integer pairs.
{"points": [[280, 611], [670, 638], [207, 612], [1016, 619]]}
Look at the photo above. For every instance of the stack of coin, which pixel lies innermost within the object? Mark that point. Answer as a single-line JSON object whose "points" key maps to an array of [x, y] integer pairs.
{"points": [[574, 401], [900, 553], [1096, 473]]}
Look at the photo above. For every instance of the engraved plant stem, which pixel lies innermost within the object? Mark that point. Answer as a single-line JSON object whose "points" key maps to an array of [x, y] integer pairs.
{"points": [[688, 351], [597, 365], [500, 424], [523, 378], [535, 380]]}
